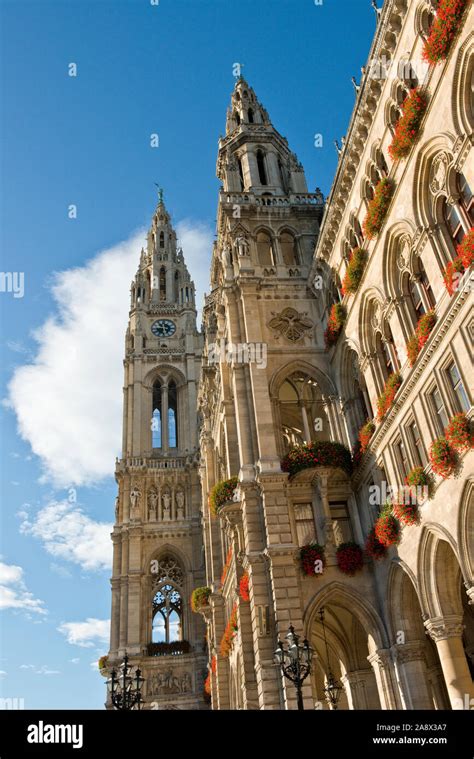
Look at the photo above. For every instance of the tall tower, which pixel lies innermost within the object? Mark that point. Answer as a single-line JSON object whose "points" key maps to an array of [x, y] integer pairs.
{"points": [[258, 398], [158, 557]]}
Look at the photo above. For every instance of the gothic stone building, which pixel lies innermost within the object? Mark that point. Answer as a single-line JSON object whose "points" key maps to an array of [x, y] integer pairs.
{"points": [[399, 633]]}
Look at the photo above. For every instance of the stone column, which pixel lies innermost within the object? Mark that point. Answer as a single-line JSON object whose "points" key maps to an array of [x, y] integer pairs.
{"points": [[413, 675], [361, 689], [115, 583], [164, 418], [382, 664], [447, 634]]}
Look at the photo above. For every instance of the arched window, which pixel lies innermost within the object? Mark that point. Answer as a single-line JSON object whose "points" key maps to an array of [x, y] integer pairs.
{"points": [[172, 415], [156, 416], [264, 249], [162, 239], [288, 249], [237, 118], [466, 197], [302, 416], [167, 604], [162, 283], [283, 177], [459, 216], [176, 286], [250, 115], [241, 174], [262, 174]]}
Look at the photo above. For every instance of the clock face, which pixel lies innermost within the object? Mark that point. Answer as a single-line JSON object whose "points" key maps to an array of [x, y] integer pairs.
{"points": [[163, 328]]}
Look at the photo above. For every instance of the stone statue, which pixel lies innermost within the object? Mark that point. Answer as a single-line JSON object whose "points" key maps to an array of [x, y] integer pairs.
{"points": [[117, 504], [185, 683], [180, 504], [166, 505], [152, 503], [134, 501], [242, 246]]}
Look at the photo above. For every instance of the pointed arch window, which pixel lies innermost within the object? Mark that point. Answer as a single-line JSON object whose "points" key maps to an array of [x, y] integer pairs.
{"points": [[162, 239], [250, 115], [156, 416], [176, 286], [241, 173], [288, 249], [262, 174], [167, 611], [302, 416], [265, 249], [172, 415]]}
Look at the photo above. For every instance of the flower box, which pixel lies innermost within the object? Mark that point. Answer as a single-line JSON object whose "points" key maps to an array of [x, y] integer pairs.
{"points": [[443, 31], [388, 394], [222, 493], [336, 321], [365, 435], [452, 274], [229, 633], [424, 329], [312, 559], [378, 207], [350, 558], [465, 249], [226, 566], [420, 484], [373, 547], [200, 598], [408, 125], [387, 527], [244, 587], [442, 457], [406, 513], [459, 433], [354, 271], [315, 454]]}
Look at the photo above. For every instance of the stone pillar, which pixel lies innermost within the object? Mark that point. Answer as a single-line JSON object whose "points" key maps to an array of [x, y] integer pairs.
{"points": [[115, 583], [413, 675], [447, 634], [361, 689], [382, 664], [164, 418]]}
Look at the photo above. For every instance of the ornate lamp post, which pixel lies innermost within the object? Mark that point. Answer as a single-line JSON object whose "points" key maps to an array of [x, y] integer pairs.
{"points": [[333, 687], [295, 662], [125, 688]]}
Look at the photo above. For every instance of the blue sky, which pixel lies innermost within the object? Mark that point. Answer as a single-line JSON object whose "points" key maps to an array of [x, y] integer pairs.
{"points": [[85, 141]]}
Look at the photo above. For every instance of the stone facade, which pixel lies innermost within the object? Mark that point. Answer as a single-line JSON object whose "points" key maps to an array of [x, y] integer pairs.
{"points": [[400, 632]]}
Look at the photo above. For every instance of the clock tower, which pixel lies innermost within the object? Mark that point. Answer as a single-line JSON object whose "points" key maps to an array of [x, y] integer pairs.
{"points": [[158, 554]]}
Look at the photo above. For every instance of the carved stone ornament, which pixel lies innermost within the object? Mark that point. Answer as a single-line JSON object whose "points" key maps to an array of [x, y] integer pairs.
{"points": [[404, 249], [376, 316], [439, 171], [290, 323]]}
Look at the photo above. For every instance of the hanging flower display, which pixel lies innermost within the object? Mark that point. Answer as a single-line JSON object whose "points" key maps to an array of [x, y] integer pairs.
{"points": [[317, 453], [354, 271], [413, 349], [418, 340], [452, 274], [207, 685], [229, 633], [459, 434], [102, 663], [200, 598], [465, 249], [406, 513], [420, 484], [244, 587], [226, 567], [408, 125], [214, 665], [443, 458], [365, 435], [312, 559], [373, 547], [445, 26], [336, 321], [221, 493], [388, 394], [350, 558], [387, 527], [378, 207]]}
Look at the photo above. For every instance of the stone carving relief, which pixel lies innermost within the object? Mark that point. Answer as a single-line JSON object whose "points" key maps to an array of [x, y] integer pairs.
{"points": [[164, 683], [166, 499], [180, 500], [242, 246], [135, 496], [152, 504], [404, 250], [290, 323], [439, 171]]}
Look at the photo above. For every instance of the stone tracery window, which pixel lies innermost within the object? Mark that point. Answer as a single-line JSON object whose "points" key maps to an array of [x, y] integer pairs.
{"points": [[302, 415], [265, 249], [288, 248], [167, 603]]}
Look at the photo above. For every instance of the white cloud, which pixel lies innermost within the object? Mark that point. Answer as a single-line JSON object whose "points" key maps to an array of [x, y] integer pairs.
{"points": [[70, 534], [13, 591], [68, 399], [76, 660], [2, 673], [43, 670], [86, 634]]}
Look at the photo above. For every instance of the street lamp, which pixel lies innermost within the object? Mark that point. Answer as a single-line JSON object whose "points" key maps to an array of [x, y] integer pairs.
{"points": [[333, 687], [126, 689], [295, 662]]}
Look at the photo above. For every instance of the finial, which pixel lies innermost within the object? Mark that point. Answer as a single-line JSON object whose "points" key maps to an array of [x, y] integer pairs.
{"points": [[356, 86], [378, 11], [339, 149]]}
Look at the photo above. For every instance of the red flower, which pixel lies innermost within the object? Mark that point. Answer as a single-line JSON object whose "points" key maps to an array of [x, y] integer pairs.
{"points": [[442, 457], [378, 207], [458, 433], [309, 556], [317, 453], [244, 587], [207, 684], [373, 547], [453, 273], [387, 528], [229, 633], [336, 321], [407, 513], [200, 598], [354, 271], [221, 493], [445, 26], [408, 125], [388, 394], [225, 569], [465, 249], [365, 434], [350, 558]]}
